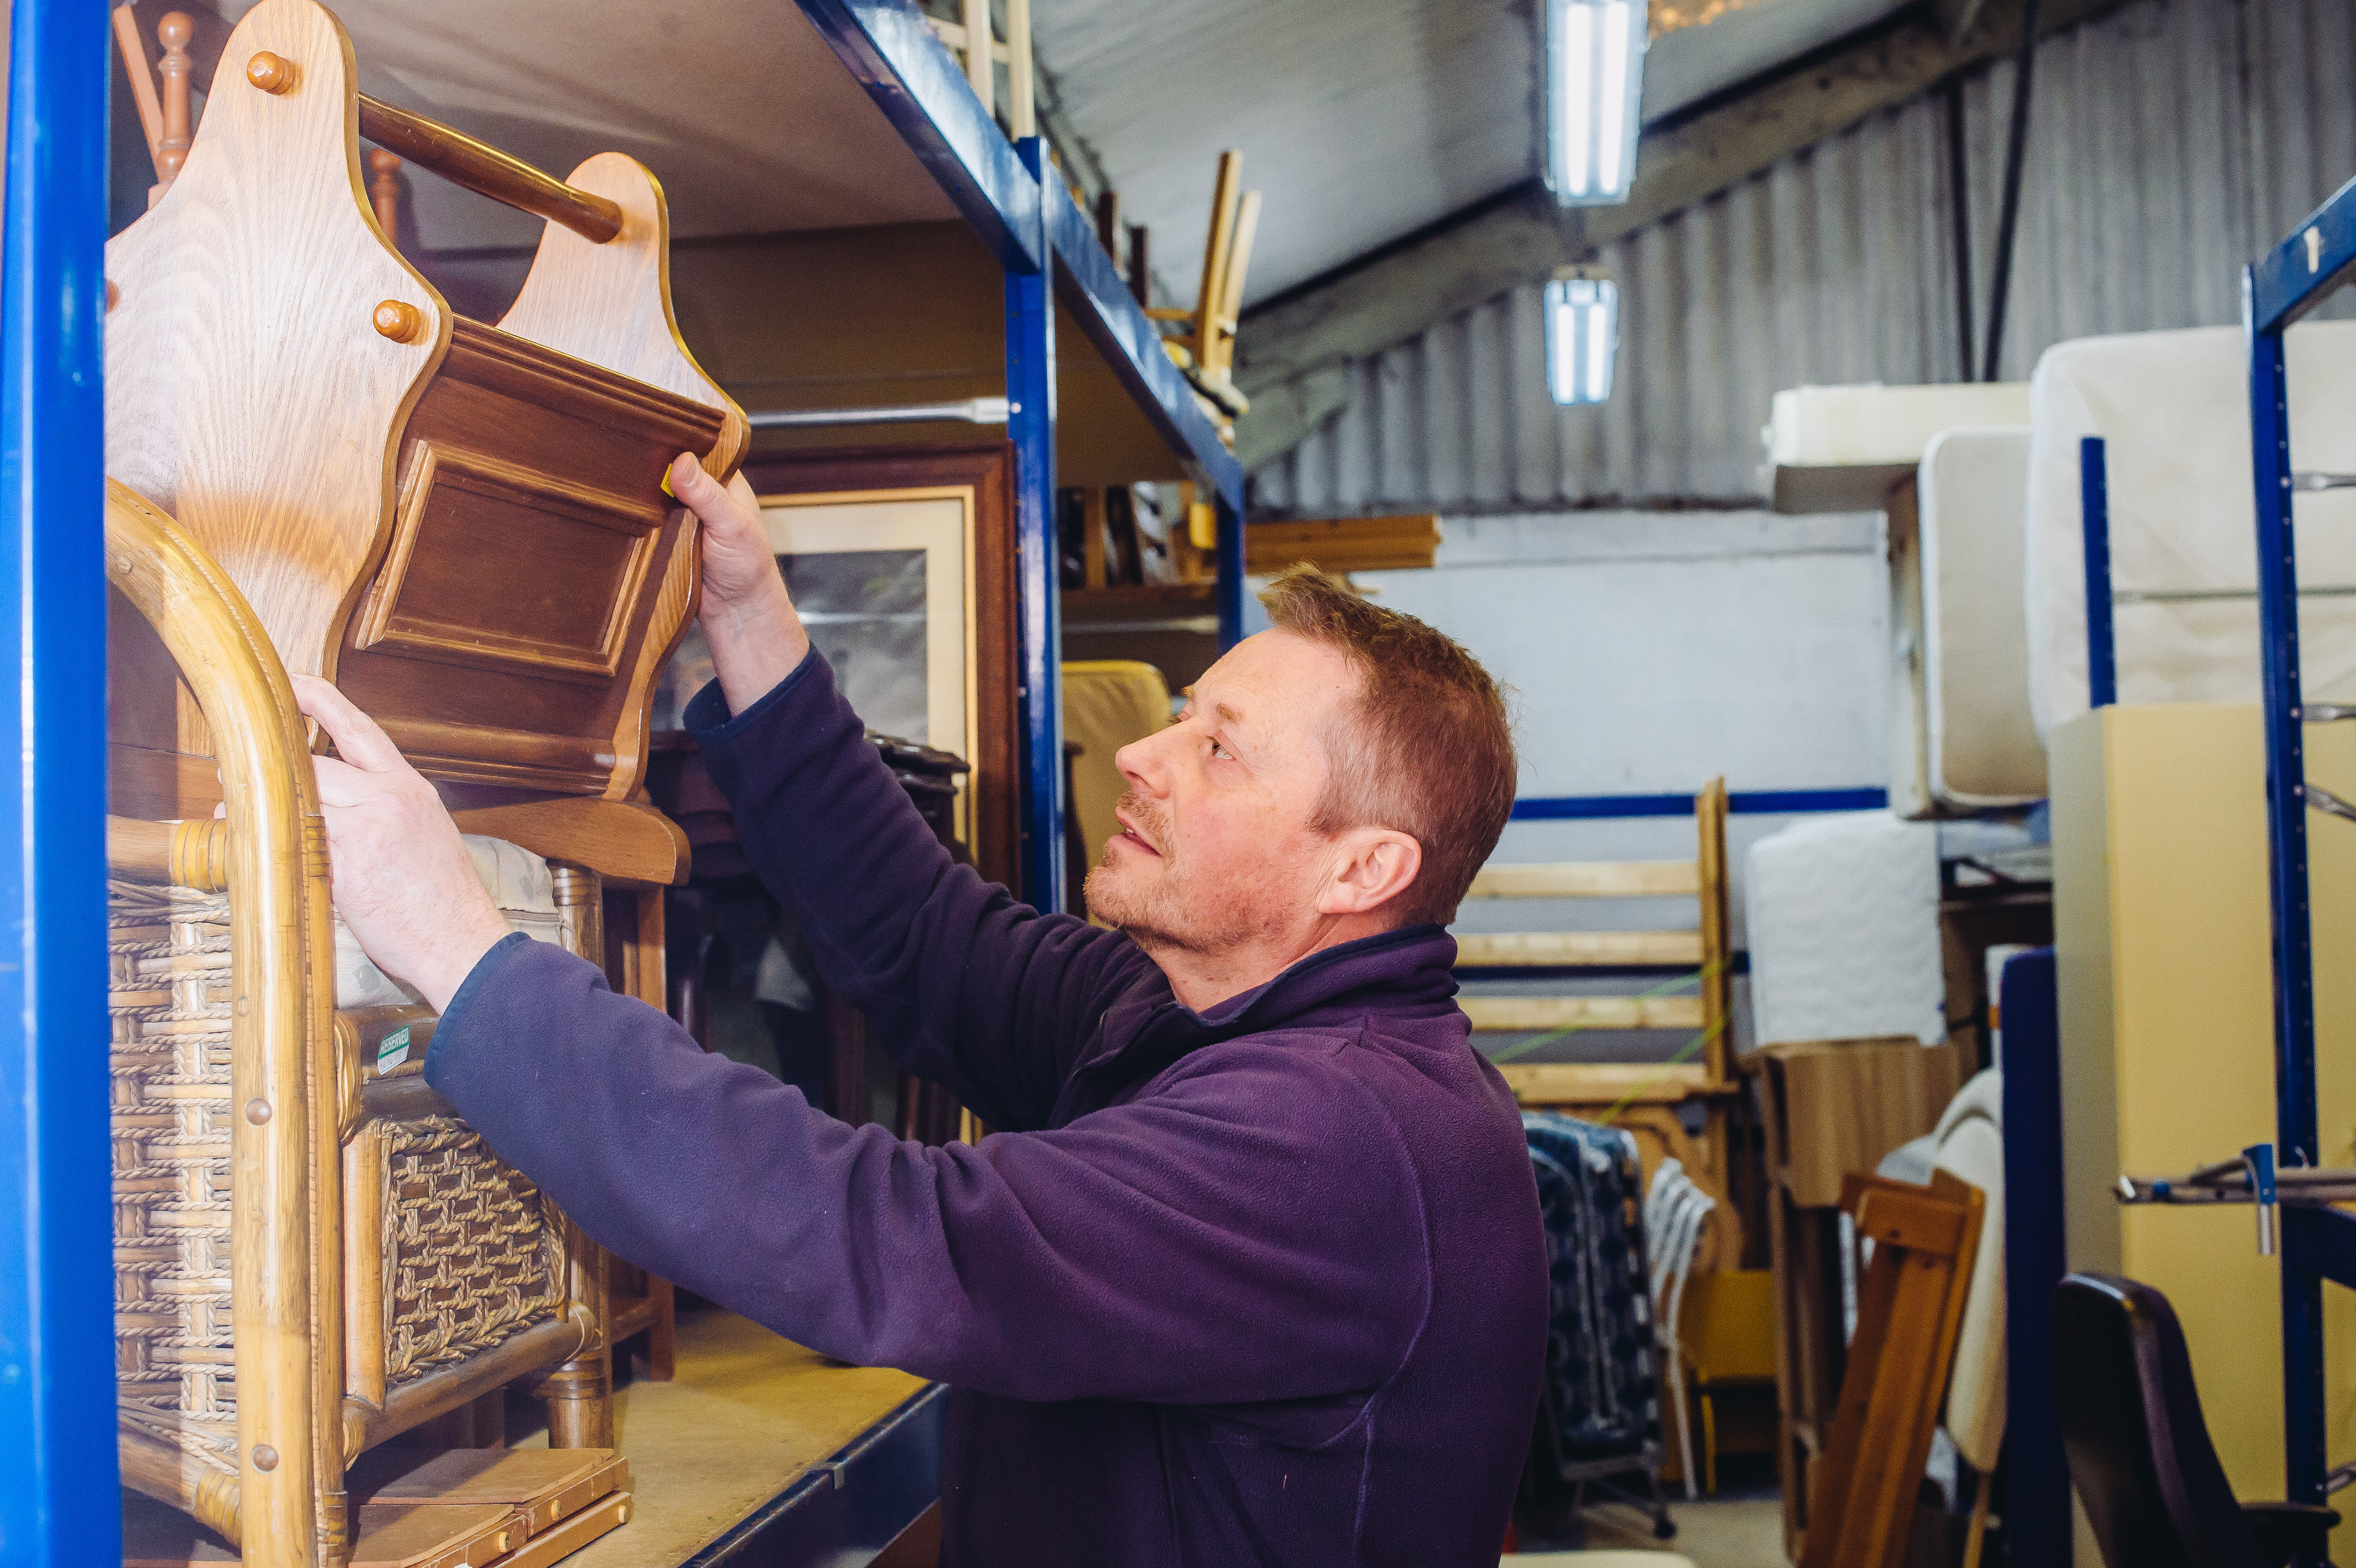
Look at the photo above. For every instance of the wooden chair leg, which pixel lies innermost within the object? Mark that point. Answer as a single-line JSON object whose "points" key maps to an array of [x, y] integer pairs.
{"points": [[1709, 1442], [1977, 1535], [580, 1396], [662, 1339]]}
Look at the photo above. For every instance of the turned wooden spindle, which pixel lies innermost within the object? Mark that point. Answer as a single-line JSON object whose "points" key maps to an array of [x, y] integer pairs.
{"points": [[174, 32], [384, 193]]}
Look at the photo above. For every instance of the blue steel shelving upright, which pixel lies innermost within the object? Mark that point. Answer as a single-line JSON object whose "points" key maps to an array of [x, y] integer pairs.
{"points": [[57, 1483], [1050, 256], [2319, 1243]]}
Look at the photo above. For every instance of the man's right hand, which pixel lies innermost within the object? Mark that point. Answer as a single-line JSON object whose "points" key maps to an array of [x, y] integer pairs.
{"points": [[756, 638]]}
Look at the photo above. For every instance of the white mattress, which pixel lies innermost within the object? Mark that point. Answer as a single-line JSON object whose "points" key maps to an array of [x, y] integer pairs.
{"points": [[1983, 747], [1844, 448], [1843, 916], [518, 884], [2173, 408]]}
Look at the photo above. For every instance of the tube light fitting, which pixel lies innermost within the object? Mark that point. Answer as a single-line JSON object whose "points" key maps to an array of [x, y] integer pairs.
{"points": [[1594, 54], [1582, 337]]}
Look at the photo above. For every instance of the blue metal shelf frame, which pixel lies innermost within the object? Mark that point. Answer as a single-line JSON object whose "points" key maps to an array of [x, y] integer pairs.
{"points": [[850, 1505], [2288, 281], [2094, 508], [913, 78], [1091, 287], [1031, 426], [1021, 210], [57, 1490]]}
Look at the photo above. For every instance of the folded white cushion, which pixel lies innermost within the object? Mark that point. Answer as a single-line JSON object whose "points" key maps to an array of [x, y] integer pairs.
{"points": [[1844, 930], [518, 884]]}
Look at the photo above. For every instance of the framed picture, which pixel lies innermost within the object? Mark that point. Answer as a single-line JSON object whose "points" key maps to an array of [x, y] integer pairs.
{"points": [[901, 565]]}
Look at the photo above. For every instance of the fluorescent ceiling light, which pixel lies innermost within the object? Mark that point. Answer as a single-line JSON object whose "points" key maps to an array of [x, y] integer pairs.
{"points": [[1595, 53], [1582, 336]]}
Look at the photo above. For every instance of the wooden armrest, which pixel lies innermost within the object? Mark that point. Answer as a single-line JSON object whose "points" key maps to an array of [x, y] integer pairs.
{"points": [[621, 841]]}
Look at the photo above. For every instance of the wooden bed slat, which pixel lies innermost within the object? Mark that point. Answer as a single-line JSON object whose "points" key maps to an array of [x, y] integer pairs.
{"points": [[1567, 949], [1590, 879], [1583, 1012]]}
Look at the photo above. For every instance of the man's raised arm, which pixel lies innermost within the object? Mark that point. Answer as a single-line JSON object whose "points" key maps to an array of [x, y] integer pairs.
{"points": [[963, 984]]}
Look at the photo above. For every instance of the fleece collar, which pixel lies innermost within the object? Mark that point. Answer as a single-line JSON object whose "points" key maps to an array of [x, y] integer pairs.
{"points": [[1404, 970]]}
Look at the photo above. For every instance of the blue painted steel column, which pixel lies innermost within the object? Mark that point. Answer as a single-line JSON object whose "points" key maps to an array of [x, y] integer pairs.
{"points": [[57, 1484], [1031, 426], [2102, 642], [2037, 1521], [1230, 500], [2294, 1118]]}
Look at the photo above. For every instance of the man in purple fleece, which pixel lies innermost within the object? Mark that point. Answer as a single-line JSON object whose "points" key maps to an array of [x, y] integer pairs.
{"points": [[1253, 1272]]}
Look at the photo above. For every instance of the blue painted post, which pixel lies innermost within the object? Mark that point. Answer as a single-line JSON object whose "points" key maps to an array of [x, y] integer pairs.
{"points": [[2037, 1517], [1230, 499], [2102, 642], [58, 1486], [2295, 1116], [1031, 426]]}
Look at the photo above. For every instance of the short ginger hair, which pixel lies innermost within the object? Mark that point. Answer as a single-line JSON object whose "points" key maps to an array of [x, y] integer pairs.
{"points": [[1426, 749]]}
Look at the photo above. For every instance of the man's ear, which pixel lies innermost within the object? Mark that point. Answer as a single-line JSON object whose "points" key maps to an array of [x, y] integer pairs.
{"points": [[1374, 865]]}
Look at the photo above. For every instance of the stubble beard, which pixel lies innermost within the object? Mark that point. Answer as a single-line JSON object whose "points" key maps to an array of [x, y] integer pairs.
{"points": [[1156, 915]]}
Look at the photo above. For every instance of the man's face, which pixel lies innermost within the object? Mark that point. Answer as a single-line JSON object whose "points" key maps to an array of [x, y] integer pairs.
{"points": [[1217, 845]]}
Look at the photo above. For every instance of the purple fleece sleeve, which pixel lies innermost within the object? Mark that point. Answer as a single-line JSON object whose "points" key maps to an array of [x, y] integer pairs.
{"points": [[962, 985], [1201, 1244]]}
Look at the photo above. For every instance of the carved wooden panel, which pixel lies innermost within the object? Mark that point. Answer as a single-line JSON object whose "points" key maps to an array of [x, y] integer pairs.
{"points": [[576, 560], [535, 562]]}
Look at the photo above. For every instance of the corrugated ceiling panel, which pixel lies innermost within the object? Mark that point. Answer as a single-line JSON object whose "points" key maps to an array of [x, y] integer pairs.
{"points": [[2167, 142]]}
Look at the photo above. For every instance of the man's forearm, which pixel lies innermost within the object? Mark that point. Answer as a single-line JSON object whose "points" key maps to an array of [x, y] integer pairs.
{"points": [[756, 644]]}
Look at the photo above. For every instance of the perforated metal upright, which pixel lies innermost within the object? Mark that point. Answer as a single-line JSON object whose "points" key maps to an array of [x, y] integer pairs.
{"points": [[2319, 1243]]}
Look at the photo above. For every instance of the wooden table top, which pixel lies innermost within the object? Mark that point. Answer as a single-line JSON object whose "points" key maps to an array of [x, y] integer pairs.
{"points": [[745, 1418]]}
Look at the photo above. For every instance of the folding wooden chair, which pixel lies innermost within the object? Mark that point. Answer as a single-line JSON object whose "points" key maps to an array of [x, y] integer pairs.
{"points": [[1910, 1311], [981, 64], [1204, 345]]}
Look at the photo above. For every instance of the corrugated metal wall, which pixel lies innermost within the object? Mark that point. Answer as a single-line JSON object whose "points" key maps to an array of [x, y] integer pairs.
{"points": [[2168, 143]]}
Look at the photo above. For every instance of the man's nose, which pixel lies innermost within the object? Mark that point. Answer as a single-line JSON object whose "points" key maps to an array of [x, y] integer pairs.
{"points": [[1141, 762]]}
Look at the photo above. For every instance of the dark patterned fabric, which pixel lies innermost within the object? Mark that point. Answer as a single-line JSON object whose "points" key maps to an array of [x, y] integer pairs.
{"points": [[1601, 1372]]}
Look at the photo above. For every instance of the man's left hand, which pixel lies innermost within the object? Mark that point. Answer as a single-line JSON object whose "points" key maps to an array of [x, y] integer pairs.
{"points": [[403, 883]]}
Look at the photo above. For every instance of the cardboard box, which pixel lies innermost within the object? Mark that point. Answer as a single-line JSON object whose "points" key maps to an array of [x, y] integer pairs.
{"points": [[1836, 1106]]}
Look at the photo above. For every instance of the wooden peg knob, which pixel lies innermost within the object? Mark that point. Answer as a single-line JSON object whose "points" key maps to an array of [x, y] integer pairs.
{"points": [[114, 295], [270, 73], [398, 320], [175, 30]]}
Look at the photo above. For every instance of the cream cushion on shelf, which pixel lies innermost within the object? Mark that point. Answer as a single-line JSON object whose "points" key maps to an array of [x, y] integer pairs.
{"points": [[518, 884]]}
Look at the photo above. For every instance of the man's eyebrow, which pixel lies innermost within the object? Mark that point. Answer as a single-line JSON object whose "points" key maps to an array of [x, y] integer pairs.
{"points": [[1228, 713]]}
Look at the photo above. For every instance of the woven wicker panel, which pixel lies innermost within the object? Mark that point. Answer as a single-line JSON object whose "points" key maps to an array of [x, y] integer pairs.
{"points": [[170, 1003], [472, 1256]]}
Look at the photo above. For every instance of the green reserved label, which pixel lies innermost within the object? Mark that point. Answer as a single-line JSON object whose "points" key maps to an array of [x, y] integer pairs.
{"points": [[393, 1050]]}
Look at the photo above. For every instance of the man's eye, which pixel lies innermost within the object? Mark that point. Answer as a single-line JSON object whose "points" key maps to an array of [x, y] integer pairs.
{"points": [[1219, 749]]}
